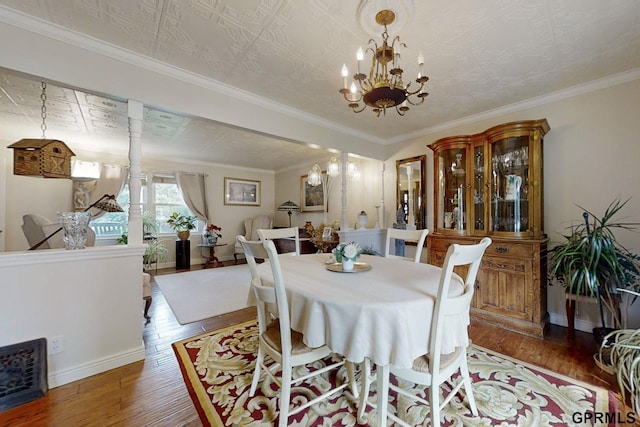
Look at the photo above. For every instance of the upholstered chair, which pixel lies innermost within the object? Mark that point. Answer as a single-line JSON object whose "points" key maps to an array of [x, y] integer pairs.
{"points": [[251, 226]]}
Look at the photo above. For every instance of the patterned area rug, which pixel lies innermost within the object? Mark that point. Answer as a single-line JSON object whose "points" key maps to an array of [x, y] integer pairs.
{"points": [[218, 367]]}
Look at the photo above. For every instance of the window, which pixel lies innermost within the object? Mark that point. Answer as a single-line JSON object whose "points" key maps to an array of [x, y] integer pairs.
{"points": [[166, 199], [158, 200]]}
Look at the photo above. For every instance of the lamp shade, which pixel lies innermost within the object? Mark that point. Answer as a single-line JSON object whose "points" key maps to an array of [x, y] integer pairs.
{"points": [[288, 206], [107, 203]]}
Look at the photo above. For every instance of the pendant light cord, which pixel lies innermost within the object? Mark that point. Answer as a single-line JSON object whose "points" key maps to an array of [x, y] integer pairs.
{"points": [[43, 110]]}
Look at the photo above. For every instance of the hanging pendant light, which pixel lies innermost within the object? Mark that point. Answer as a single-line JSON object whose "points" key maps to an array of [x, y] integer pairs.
{"points": [[48, 158]]}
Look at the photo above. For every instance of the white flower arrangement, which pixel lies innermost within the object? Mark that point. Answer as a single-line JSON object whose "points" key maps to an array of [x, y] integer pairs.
{"points": [[347, 251]]}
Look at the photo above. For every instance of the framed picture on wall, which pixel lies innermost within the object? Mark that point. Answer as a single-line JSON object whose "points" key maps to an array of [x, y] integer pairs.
{"points": [[311, 197], [242, 192]]}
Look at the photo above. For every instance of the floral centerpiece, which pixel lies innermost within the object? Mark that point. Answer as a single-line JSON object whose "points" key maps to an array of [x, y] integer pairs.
{"points": [[347, 254], [212, 233]]}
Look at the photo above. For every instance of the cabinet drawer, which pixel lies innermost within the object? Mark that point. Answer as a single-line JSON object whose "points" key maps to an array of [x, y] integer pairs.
{"points": [[501, 248], [510, 250], [442, 245]]}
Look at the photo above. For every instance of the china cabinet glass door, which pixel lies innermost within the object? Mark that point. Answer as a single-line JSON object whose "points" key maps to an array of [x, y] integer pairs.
{"points": [[510, 185], [452, 189], [491, 183], [479, 190]]}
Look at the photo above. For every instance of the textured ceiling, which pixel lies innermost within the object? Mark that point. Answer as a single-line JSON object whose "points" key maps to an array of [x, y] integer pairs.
{"points": [[479, 55]]}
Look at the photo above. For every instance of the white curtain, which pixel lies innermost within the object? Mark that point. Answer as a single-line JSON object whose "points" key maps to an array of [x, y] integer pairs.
{"points": [[192, 187]]}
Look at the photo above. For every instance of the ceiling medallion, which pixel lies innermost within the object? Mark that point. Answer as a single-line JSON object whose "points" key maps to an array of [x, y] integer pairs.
{"points": [[383, 88]]}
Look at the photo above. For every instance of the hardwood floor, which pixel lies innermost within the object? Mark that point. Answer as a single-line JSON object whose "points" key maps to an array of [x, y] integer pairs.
{"points": [[152, 392]]}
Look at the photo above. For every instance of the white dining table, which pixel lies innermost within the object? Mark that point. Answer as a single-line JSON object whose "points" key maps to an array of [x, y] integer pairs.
{"points": [[383, 314]]}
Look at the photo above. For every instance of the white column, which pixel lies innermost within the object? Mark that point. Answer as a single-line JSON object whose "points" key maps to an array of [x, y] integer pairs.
{"points": [[344, 220], [325, 194], [382, 196], [135, 172], [411, 221]]}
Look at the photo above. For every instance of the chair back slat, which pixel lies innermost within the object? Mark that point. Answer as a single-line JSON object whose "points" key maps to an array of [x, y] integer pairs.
{"points": [[418, 236], [457, 255], [282, 233], [265, 249]]}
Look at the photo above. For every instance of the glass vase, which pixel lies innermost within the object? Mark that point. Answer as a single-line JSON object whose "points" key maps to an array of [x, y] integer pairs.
{"points": [[75, 226]]}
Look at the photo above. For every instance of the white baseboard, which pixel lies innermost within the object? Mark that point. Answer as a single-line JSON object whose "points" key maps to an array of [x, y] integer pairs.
{"points": [[579, 324], [65, 376]]}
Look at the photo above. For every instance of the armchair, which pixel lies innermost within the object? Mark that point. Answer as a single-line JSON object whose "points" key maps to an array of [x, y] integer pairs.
{"points": [[251, 226]]}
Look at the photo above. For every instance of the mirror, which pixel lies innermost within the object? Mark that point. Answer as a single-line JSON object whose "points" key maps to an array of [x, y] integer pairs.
{"points": [[410, 195]]}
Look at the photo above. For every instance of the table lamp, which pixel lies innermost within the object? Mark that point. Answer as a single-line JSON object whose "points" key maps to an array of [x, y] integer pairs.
{"points": [[289, 206]]}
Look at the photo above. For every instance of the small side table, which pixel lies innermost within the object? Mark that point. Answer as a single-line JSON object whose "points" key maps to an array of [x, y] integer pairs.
{"points": [[570, 306], [183, 254], [211, 260]]}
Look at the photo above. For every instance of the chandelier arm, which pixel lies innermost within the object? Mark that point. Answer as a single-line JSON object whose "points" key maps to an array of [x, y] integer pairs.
{"points": [[397, 39], [414, 103], [398, 110], [360, 110], [349, 93], [365, 86], [409, 93]]}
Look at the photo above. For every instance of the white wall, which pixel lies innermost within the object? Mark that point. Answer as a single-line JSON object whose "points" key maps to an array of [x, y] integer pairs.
{"points": [[590, 157], [3, 203], [91, 297], [229, 217], [26, 194], [362, 194]]}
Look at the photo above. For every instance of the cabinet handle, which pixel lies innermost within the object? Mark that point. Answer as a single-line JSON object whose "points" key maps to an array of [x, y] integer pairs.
{"points": [[502, 249], [477, 284]]}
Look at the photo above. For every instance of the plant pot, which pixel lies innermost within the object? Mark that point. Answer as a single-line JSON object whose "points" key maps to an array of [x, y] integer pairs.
{"points": [[347, 265], [184, 235], [600, 333]]}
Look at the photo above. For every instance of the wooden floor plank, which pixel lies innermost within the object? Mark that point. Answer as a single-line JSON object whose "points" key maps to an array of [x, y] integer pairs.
{"points": [[152, 393]]}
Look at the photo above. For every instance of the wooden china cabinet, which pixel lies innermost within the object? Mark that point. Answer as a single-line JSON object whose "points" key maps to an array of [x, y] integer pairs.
{"points": [[490, 184]]}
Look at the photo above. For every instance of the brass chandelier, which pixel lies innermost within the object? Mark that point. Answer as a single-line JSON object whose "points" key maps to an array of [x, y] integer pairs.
{"points": [[383, 88]]}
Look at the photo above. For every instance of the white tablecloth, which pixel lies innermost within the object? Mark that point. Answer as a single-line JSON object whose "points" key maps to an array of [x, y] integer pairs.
{"points": [[383, 314]]}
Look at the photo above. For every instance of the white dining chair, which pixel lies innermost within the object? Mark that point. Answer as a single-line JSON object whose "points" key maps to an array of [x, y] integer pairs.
{"points": [[418, 236], [435, 368], [277, 340], [282, 233]]}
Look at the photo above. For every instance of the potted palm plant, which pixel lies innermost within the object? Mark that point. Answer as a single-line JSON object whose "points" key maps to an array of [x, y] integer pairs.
{"points": [[619, 355], [182, 224], [591, 262]]}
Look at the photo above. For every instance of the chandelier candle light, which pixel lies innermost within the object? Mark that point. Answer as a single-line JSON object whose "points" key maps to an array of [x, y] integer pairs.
{"points": [[383, 88]]}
